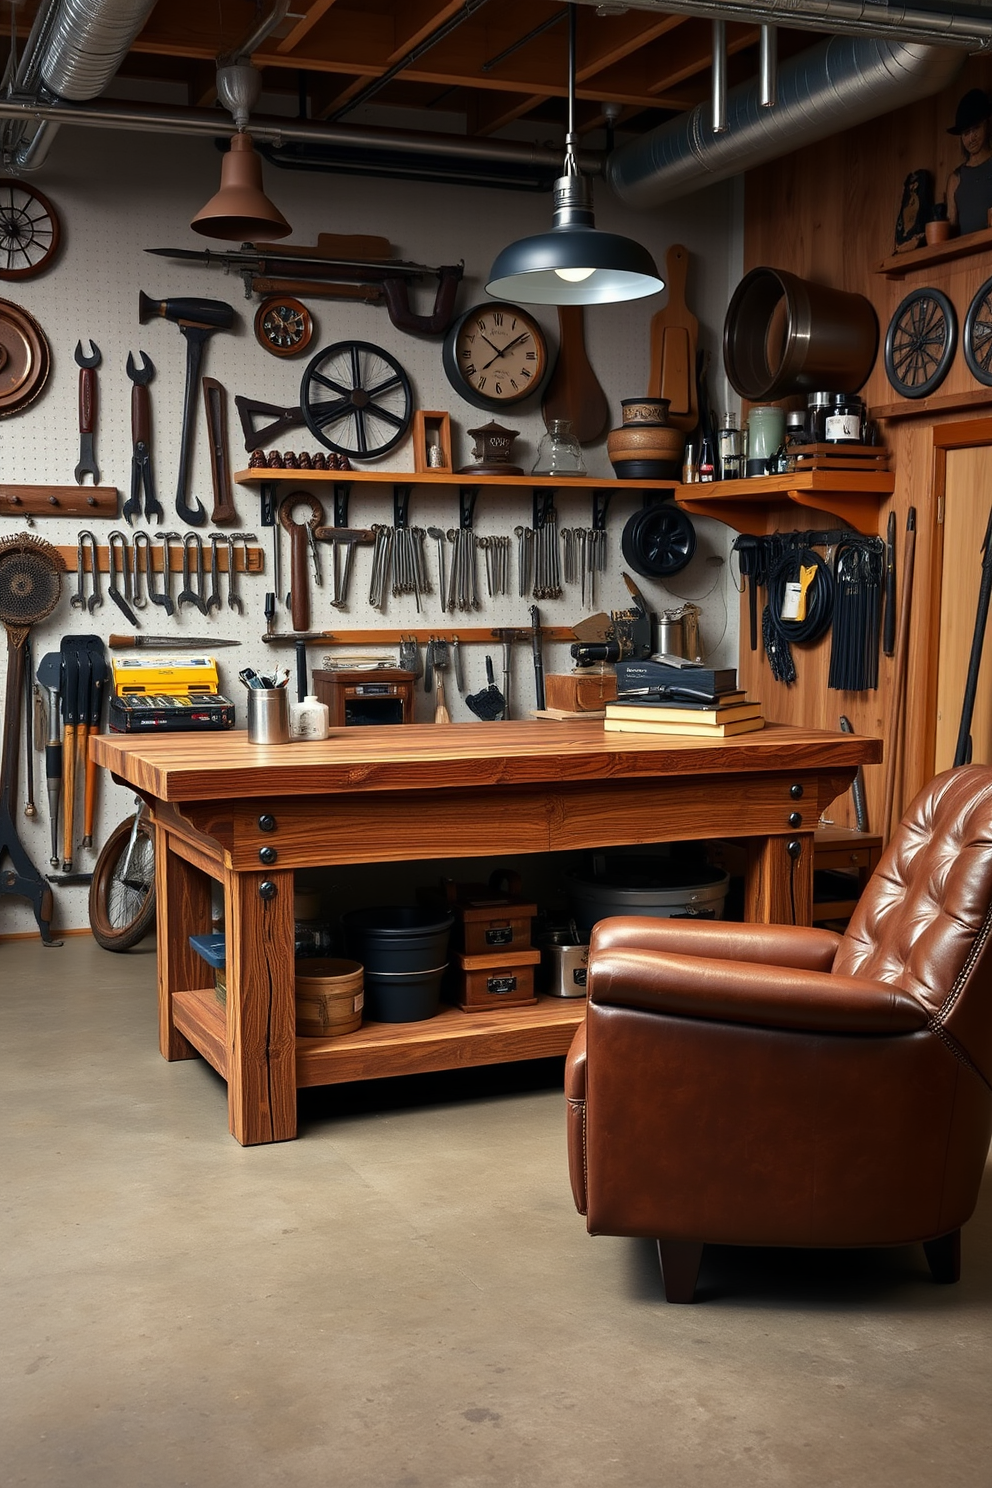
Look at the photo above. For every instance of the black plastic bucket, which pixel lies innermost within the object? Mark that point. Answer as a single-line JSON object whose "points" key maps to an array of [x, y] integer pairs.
{"points": [[398, 938], [404, 996]]}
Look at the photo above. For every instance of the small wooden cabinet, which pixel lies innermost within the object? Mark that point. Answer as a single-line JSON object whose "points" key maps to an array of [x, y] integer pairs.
{"points": [[357, 697]]}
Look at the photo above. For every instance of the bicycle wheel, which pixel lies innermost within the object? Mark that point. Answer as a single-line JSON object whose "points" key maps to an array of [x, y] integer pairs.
{"points": [[122, 910]]}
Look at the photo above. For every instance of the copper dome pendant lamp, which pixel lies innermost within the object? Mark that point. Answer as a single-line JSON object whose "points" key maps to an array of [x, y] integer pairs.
{"points": [[240, 211]]}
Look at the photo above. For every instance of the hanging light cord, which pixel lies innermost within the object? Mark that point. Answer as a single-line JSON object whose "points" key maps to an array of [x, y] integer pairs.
{"points": [[571, 164]]}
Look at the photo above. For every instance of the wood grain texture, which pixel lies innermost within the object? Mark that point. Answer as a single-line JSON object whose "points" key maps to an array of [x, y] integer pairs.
{"points": [[788, 211], [261, 1007], [182, 908]]}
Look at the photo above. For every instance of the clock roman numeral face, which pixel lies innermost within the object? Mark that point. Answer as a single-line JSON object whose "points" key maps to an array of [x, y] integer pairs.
{"points": [[500, 353]]}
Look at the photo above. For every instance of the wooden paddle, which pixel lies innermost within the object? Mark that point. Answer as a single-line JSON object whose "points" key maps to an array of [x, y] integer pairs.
{"points": [[674, 336], [573, 392]]}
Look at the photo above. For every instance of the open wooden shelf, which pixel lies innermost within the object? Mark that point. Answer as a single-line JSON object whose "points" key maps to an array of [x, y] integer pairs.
{"points": [[448, 478], [451, 1040], [908, 408], [898, 265], [750, 505]]}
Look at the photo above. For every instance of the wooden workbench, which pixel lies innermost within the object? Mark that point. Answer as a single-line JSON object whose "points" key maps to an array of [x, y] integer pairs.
{"points": [[248, 816]]}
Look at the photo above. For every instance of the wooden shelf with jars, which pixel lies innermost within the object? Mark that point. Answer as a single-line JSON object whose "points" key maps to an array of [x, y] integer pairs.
{"points": [[752, 505], [898, 265]]}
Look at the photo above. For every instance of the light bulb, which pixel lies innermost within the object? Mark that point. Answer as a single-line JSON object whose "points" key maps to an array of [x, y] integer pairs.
{"points": [[574, 276]]}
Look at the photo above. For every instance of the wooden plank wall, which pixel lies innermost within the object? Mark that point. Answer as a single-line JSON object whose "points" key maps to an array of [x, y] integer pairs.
{"points": [[828, 213]]}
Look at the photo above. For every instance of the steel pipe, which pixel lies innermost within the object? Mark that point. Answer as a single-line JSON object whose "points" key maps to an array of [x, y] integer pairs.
{"points": [[719, 78], [768, 67]]}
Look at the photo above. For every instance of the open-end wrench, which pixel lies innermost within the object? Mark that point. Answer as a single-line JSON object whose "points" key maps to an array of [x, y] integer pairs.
{"points": [[78, 600], [87, 411], [234, 600], [165, 598], [88, 539], [189, 595], [118, 544], [141, 443], [214, 601], [141, 542]]}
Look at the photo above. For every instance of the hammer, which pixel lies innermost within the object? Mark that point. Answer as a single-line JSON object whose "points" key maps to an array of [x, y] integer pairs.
{"points": [[197, 320]]}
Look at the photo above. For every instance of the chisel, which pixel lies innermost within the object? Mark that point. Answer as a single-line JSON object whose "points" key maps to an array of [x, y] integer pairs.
{"points": [[166, 643]]}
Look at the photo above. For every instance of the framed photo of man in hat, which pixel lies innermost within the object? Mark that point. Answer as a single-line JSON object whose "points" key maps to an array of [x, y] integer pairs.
{"points": [[969, 186]]}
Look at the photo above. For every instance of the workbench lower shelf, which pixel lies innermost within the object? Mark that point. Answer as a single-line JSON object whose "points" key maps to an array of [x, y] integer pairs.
{"points": [[451, 1040]]}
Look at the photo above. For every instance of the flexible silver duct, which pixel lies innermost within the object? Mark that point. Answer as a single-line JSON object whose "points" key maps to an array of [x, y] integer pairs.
{"points": [[955, 27], [88, 42], [832, 87]]}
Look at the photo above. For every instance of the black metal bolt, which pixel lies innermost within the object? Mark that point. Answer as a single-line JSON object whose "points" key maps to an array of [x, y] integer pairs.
{"points": [[266, 823], [267, 889], [795, 819], [796, 792], [267, 855]]}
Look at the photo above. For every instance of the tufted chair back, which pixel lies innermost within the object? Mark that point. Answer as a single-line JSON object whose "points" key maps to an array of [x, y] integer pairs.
{"points": [[924, 920]]}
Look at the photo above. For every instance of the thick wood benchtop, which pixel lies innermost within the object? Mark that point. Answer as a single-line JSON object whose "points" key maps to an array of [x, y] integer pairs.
{"points": [[186, 767]]}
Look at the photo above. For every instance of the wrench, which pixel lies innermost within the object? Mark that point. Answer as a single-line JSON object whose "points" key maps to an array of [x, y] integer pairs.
{"points": [[214, 599], [141, 434], [139, 600], [87, 412], [78, 600], [87, 538], [165, 597], [234, 598], [117, 543], [189, 595]]}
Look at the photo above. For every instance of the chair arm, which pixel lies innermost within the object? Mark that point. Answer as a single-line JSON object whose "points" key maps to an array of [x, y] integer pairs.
{"points": [[723, 940], [743, 992], [575, 1092]]}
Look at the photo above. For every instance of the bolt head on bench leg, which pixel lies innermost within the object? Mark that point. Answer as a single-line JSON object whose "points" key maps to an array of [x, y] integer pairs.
{"points": [[944, 1257], [679, 1261]]}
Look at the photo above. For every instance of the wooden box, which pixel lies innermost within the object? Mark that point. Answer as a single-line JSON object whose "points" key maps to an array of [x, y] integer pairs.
{"points": [[490, 981], [494, 927], [580, 694]]}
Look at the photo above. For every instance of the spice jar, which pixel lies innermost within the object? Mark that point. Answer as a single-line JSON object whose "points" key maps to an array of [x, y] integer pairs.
{"points": [[842, 424]]}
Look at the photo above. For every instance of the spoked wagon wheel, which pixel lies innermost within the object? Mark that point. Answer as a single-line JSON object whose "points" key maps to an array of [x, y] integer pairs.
{"points": [[920, 342], [29, 231], [356, 399], [978, 335], [122, 892]]}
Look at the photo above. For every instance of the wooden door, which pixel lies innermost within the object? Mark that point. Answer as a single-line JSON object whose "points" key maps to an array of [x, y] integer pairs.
{"points": [[966, 505]]}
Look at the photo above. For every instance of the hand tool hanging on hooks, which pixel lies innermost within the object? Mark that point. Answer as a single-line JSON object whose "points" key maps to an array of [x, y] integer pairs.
{"points": [[141, 443], [87, 542], [50, 677], [300, 535], [197, 320], [118, 545], [215, 405], [87, 412]]}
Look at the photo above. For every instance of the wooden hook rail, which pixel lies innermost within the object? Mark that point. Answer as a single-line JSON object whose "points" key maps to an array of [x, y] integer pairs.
{"points": [[255, 556], [59, 501]]}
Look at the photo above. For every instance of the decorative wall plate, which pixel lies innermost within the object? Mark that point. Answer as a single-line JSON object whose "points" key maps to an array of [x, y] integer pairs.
{"points": [[920, 343], [978, 335], [356, 399], [25, 359]]}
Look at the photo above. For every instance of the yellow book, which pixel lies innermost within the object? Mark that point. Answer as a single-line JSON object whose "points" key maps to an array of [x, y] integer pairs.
{"points": [[665, 713], [691, 730]]}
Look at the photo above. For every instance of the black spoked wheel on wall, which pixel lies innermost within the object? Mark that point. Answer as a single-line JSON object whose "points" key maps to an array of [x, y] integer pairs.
{"points": [[29, 231], [978, 335], [920, 343], [658, 541], [356, 399], [122, 892]]}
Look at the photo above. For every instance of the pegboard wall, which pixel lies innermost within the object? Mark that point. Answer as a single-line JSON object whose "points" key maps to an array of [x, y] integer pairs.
{"points": [[118, 194]]}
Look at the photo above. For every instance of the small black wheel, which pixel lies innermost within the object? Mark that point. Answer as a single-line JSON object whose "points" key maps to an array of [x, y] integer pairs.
{"points": [[658, 541], [920, 343], [978, 335], [356, 399], [29, 231], [122, 903]]}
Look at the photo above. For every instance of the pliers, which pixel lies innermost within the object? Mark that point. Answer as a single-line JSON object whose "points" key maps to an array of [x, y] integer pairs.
{"points": [[141, 460]]}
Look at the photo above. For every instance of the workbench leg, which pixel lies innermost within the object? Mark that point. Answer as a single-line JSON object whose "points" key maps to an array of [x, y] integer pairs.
{"points": [[182, 909], [261, 1006], [778, 889]]}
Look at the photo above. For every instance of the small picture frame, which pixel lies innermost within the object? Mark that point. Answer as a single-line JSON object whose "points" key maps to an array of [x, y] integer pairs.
{"points": [[431, 441]]}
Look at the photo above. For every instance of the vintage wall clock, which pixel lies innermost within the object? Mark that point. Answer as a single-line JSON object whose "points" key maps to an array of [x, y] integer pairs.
{"points": [[920, 342], [495, 355], [283, 326]]}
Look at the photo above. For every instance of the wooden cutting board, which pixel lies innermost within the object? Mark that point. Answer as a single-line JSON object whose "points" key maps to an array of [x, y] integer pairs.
{"points": [[573, 392], [674, 338]]}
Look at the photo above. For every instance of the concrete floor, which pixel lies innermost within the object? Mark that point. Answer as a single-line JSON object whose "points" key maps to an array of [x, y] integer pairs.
{"points": [[405, 1297]]}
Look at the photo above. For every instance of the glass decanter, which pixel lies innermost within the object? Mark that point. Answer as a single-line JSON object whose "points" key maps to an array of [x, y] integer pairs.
{"points": [[559, 452]]}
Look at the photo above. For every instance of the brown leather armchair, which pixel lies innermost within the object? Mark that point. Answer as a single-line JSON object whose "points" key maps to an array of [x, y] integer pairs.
{"points": [[777, 1085]]}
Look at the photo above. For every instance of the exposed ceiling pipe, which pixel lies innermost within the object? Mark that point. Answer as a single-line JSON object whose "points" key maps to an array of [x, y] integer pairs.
{"points": [[213, 124], [834, 86], [718, 89], [768, 67], [954, 27]]}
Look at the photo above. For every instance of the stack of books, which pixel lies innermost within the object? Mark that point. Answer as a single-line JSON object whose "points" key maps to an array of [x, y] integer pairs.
{"points": [[696, 701]]}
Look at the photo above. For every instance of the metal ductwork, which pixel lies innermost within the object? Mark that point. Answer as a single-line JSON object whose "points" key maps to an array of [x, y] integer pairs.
{"points": [[840, 83], [75, 48]]}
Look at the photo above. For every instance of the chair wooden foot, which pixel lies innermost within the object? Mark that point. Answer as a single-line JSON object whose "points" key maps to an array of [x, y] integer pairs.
{"points": [[944, 1257], [679, 1261]]}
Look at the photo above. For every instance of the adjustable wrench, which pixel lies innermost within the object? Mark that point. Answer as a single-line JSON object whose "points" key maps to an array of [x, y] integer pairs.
{"points": [[87, 411], [214, 599], [189, 595], [117, 543], [78, 600], [141, 434]]}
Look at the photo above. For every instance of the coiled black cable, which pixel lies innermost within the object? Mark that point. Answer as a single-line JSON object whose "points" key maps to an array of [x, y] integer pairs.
{"points": [[781, 635]]}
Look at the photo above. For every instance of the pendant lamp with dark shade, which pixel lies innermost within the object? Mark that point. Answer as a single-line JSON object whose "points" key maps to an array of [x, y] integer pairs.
{"points": [[574, 263], [241, 211]]}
